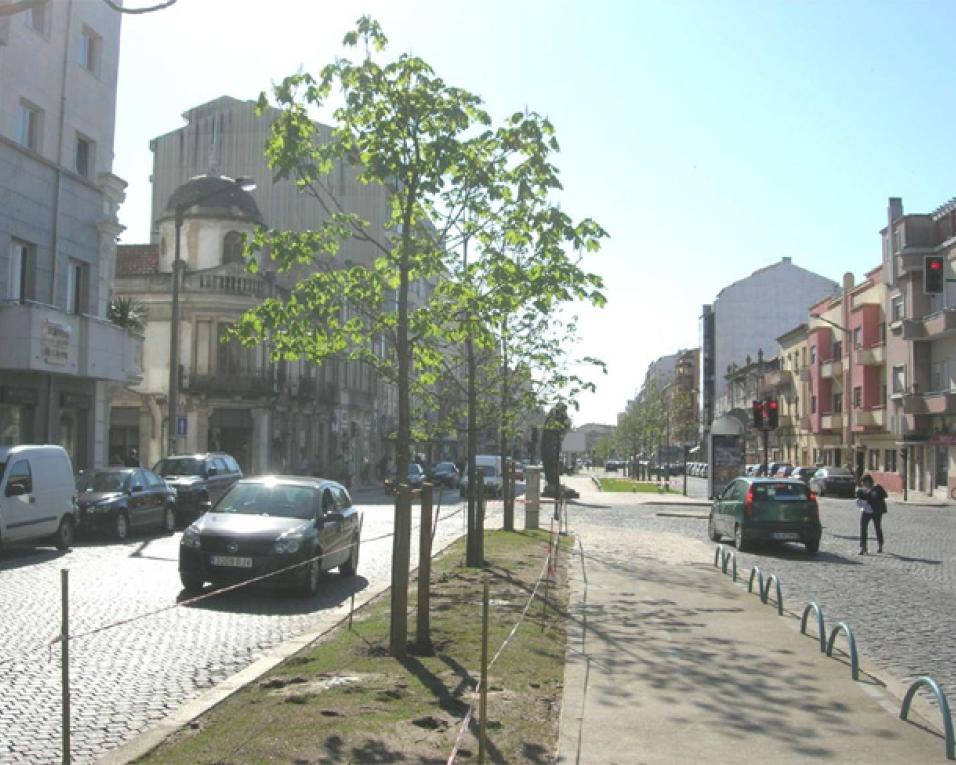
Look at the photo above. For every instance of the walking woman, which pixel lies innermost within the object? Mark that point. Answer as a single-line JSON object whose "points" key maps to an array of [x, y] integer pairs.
{"points": [[871, 499]]}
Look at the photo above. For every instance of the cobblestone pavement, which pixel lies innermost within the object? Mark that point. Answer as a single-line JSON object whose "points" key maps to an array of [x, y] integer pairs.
{"points": [[127, 678], [900, 604]]}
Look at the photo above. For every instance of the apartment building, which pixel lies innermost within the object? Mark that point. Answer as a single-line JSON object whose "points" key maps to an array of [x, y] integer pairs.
{"points": [[789, 383], [60, 356], [921, 346]]}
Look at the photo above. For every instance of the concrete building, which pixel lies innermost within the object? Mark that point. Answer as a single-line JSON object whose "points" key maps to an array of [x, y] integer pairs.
{"points": [[748, 316], [60, 355], [790, 385], [921, 347]]}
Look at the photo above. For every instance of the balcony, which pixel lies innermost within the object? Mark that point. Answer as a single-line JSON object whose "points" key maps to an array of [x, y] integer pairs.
{"points": [[942, 402], [831, 369], [787, 421], [41, 338], [931, 327], [874, 356], [805, 423], [781, 379], [874, 417], [831, 421], [232, 383], [805, 374]]}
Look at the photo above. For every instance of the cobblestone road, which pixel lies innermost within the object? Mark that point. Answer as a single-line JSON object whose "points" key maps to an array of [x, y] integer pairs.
{"points": [[901, 604], [127, 678]]}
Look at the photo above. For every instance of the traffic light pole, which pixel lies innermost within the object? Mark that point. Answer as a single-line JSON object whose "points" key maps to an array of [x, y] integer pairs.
{"points": [[766, 462]]}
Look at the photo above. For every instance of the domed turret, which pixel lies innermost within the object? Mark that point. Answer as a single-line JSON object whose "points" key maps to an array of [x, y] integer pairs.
{"points": [[214, 195]]}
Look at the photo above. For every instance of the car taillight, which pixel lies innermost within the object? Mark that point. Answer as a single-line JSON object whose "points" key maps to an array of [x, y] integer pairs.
{"points": [[812, 498], [749, 503]]}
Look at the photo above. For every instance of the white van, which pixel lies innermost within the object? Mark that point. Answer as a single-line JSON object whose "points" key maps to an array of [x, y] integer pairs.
{"points": [[37, 495], [488, 466]]}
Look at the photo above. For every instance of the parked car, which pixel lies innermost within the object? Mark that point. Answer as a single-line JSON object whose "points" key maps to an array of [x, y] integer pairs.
{"points": [[446, 474], [766, 509], [518, 468], [803, 473], [416, 476], [37, 495], [833, 480], [491, 477], [117, 500], [264, 524], [198, 478], [782, 470], [752, 469], [610, 466]]}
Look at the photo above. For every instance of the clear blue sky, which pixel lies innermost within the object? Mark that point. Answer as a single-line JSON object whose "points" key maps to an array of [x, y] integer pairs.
{"points": [[709, 138]]}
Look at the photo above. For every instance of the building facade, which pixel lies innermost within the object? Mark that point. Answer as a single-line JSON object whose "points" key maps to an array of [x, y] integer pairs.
{"points": [[61, 357]]}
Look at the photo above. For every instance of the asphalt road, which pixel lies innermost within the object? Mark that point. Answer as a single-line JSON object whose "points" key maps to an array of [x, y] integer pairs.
{"points": [[900, 604], [128, 677]]}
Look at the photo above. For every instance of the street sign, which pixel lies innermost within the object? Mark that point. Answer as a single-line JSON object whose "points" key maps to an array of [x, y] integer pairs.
{"points": [[181, 426]]}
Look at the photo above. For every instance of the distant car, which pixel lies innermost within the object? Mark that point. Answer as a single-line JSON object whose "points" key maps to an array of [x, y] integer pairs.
{"points": [[446, 474], [766, 509], [752, 469], [803, 473], [833, 480], [491, 479], [782, 470], [198, 478], [37, 495], [610, 466], [271, 523], [118, 500], [416, 476], [518, 468]]}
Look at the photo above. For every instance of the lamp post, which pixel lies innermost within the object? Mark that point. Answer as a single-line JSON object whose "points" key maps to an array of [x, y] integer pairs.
{"points": [[848, 383], [246, 184]]}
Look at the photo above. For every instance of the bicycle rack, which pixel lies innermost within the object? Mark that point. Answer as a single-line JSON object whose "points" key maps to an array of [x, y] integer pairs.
{"points": [[728, 557], [943, 708], [854, 659], [765, 593], [718, 553], [821, 630], [755, 571]]}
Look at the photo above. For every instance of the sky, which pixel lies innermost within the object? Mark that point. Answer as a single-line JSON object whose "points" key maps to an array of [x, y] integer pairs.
{"points": [[709, 138]]}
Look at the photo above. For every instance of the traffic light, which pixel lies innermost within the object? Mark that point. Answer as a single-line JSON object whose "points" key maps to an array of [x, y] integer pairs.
{"points": [[934, 274], [773, 413], [758, 414]]}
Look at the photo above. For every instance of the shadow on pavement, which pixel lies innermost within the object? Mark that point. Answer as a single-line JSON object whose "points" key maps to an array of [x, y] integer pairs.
{"points": [[334, 590], [14, 556]]}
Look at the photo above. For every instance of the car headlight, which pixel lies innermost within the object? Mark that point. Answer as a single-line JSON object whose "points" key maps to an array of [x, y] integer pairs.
{"points": [[191, 538], [287, 545]]}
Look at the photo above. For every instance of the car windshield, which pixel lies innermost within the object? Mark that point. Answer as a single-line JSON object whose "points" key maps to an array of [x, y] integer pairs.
{"points": [[180, 466], [414, 469], [840, 472], [783, 492], [102, 480], [281, 500], [444, 467], [488, 471]]}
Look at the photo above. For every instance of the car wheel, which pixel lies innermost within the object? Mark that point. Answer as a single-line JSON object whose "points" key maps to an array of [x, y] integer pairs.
{"points": [[191, 584], [812, 547], [310, 586], [169, 520], [712, 529], [350, 567], [65, 534], [120, 526], [742, 545]]}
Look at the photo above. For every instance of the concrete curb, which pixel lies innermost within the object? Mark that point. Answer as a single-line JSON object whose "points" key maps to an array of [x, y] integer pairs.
{"points": [[145, 742]]}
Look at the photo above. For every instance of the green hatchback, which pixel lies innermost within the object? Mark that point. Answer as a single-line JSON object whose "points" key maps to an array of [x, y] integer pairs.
{"points": [[766, 510]]}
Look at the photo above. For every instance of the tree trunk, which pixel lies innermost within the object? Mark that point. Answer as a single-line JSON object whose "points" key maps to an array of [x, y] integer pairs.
{"points": [[471, 543], [506, 485]]}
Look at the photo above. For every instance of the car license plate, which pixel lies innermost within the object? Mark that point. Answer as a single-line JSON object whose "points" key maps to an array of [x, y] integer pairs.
{"points": [[230, 560], [785, 535]]}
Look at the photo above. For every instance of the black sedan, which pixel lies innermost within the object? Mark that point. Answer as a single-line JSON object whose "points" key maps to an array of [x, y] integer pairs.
{"points": [[117, 500], [294, 525], [837, 481], [446, 474], [416, 477]]}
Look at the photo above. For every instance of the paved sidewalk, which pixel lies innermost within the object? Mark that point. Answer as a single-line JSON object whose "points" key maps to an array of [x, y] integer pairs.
{"points": [[668, 661]]}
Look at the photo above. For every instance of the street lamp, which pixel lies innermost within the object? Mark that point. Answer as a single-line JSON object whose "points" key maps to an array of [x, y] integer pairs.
{"points": [[246, 184], [848, 383]]}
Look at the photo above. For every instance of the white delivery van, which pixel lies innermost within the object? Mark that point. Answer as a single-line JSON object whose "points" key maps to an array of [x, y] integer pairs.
{"points": [[37, 495], [488, 466]]}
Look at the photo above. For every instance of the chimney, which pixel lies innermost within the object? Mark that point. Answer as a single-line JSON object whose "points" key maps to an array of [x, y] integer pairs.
{"points": [[848, 281], [788, 261], [894, 209]]}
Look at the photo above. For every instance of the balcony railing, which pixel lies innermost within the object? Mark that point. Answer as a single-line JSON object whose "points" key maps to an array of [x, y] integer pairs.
{"points": [[831, 368], [779, 378], [831, 421], [226, 383], [942, 402], [873, 356], [930, 327], [874, 417]]}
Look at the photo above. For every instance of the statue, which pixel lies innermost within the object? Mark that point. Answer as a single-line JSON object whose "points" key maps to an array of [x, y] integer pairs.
{"points": [[555, 426]]}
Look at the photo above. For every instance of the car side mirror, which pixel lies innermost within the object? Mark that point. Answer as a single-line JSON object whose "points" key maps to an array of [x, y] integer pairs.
{"points": [[16, 489], [205, 506]]}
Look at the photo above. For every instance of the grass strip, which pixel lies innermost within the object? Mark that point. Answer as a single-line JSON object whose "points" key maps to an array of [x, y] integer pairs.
{"points": [[344, 699], [625, 484]]}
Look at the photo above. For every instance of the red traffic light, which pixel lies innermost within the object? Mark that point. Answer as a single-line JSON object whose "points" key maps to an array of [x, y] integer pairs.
{"points": [[933, 274], [772, 404], [936, 265]]}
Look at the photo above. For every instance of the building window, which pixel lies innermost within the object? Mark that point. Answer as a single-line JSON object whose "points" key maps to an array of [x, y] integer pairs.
{"points": [[30, 126], [91, 45], [899, 379], [939, 376], [21, 283], [837, 403], [813, 354], [883, 395], [897, 308], [837, 350], [232, 247], [813, 404], [857, 337], [84, 156], [882, 332], [36, 18], [857, 397], [77, 287], [889, 460], [873, 459]]}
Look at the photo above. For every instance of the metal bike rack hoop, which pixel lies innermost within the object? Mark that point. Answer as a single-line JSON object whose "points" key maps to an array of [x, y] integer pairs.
{"points": [[821, 629], [717, 555], [943, 708], [854, 658], [765, 594], [755, 571]]}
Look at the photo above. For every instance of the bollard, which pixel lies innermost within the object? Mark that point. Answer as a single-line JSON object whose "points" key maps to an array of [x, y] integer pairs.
{"points": [[422, 625], [821, 630], [930, 683], [854, 660], [483, 698], [532, 497]]}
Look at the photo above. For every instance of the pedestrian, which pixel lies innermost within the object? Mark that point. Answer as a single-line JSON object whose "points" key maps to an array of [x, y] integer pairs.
{"points": [[132, 458], [871, 499]]}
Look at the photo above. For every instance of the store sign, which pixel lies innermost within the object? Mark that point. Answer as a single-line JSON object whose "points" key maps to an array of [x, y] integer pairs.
{"points": [[55, 343]]}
